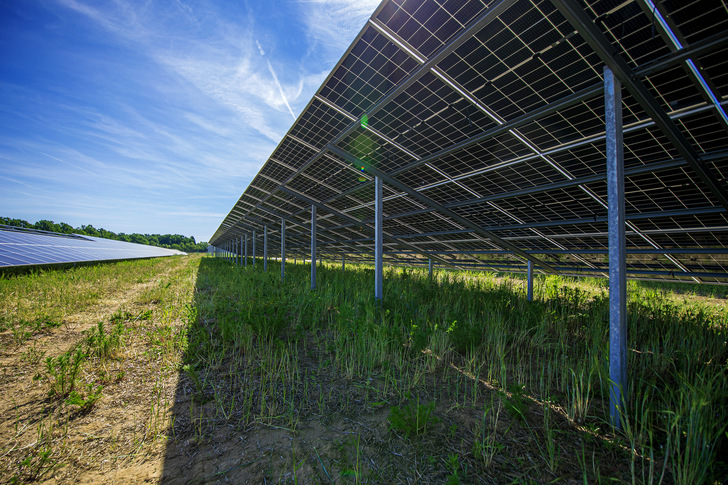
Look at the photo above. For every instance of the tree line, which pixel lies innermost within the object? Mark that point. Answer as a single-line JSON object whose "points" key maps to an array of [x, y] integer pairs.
{"points": [[170, 241]]}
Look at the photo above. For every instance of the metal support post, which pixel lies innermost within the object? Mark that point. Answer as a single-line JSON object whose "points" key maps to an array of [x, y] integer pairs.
{"points": [[246, 251], [265, 248], [241, 251], [429, 268], [378, 239], [343, 263], [253, 248], [313, 247], [617, 247], [529, 292], [283, 249]]}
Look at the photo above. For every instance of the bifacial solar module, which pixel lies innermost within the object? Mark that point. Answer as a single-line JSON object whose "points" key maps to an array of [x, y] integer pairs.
{"points": [[20, 247], [485, 120]]}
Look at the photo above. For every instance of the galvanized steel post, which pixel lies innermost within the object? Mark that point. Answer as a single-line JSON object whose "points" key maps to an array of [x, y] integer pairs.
{"points": [[343, 263], [313, 247], [253, 248], [246, 251], [265, 248], [283, 249], [529, 284], [378, 239], [241, 250], [429, 268], [617, 247]]}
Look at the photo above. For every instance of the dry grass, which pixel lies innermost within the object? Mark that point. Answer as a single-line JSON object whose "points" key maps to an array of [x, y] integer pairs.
{"points": [[44, 436]]}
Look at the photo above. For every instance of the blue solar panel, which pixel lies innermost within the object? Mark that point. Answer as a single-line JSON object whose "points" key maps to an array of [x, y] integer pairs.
{"points": [[19, 247]]}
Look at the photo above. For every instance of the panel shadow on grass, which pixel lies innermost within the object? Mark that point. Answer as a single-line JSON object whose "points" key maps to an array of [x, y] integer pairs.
{"points": [[458, 379]]}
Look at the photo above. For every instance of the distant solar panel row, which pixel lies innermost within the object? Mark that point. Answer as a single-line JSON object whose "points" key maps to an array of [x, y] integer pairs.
{"points": [[26, 248], [485, 120]]}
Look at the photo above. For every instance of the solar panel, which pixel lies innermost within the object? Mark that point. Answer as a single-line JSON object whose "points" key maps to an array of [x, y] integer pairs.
{"points": [[22, 247], [485, 121]]}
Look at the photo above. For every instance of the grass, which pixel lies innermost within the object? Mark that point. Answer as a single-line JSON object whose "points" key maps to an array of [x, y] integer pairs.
{"points": [[458, 341], [457, 379], [65, 383]]}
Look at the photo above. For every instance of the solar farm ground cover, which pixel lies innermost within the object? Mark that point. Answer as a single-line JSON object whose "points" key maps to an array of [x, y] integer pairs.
{"points": [[194, 370]]}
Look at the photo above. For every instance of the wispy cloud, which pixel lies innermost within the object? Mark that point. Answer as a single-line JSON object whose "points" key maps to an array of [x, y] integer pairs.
{"points": [[68, 163], [260, 49], [150, 114], [333, 24], [280, 89]]}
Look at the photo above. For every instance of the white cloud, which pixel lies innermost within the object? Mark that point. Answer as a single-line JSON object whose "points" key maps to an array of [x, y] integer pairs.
{"points": [[280, 90], [333, 24], [260, 49], [215, 109]]}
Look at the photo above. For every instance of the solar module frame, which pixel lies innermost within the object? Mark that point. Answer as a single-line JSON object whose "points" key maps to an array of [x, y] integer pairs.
{"points": [[486, 120]]}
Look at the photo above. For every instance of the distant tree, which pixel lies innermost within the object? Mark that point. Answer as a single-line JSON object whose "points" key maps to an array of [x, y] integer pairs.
{"points": [[45, 225], [89, 230], [15, 222], [139, 239], [106, 234]]}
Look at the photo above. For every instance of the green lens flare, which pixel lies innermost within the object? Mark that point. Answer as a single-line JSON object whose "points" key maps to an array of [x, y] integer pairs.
{"points": [[364, 121]]}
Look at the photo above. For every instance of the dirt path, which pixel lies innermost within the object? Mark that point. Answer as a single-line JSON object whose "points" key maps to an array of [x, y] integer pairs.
{"points": [[45, 438]]}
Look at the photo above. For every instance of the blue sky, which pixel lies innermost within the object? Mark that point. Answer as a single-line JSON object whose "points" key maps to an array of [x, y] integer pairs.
{"points": [[154, 116]]}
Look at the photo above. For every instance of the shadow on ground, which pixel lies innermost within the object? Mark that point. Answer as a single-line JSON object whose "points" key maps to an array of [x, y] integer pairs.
{"points": [[265, 398]]}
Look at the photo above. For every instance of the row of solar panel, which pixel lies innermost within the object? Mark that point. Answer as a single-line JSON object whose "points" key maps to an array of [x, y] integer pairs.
{"points": [[27, 248]]}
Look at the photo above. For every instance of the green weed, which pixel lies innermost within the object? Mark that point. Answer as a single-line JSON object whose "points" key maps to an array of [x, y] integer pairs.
{"points": [[412, 419], [87, 399], [62, 371]]}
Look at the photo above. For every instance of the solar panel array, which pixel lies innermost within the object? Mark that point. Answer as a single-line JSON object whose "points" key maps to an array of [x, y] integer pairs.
{"points": [[22, 247], [485, 121]]}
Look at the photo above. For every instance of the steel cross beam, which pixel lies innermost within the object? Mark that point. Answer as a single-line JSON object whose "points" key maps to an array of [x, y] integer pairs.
{"points": [[698, 48], [628, 172], [354, 221], [442, 209], [576, 16]]}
